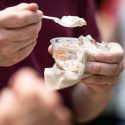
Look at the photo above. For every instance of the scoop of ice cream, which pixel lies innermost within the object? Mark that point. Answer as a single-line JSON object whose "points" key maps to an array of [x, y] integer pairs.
{"points": [[73, 21]]}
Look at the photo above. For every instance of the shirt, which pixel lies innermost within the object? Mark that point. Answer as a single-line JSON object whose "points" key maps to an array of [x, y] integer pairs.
{"points": [[40, 58]]}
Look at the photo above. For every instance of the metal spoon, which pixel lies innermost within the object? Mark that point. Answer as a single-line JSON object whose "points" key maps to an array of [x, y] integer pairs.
{"points": [[67, 21]]}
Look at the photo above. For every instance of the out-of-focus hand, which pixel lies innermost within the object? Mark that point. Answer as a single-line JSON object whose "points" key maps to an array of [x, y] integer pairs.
{"points": [[19, 28], [106, 69], [27, 102]]}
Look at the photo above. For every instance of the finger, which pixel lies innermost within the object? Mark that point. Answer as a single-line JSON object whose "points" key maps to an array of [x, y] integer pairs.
{"points": [[32, 7], [114, 55], [100, 83], [22, 53], [15, 55], [20, 34], [104, 68], [24, 6], [7, 100], [19, 19], [50, 49], [16, 46], [19, 45], [100, 80]]}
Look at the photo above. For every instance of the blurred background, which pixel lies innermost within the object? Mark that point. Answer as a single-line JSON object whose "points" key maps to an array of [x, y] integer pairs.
{"points": [[110, 17]]}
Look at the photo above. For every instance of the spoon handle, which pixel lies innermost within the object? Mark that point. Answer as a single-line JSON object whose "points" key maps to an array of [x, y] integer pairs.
{"points": [[50, 18]]}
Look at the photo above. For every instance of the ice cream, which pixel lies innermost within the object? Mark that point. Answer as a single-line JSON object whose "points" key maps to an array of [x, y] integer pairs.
{"points": [[73, 21]]}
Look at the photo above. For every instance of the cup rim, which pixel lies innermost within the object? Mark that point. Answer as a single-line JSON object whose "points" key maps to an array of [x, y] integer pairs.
{"points": [[65, 38]]}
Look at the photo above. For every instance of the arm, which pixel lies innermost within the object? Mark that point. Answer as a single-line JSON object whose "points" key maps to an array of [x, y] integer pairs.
{"points": [[92, 95]]}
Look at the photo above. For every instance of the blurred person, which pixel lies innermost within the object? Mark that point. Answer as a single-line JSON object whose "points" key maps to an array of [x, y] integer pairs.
{"points": [[107, 18], [21, 46], [25, 102], [120, 92], [110, 17]]}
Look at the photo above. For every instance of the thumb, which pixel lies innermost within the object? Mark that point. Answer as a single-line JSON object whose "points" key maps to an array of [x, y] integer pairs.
{"points": [[32, 7]]}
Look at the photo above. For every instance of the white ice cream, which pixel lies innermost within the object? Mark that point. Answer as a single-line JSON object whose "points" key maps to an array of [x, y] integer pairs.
{"points": [[72, 21]]}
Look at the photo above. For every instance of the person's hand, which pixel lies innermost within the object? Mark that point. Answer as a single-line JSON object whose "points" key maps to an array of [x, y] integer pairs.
{"points": [[28, 103], [106, 69], [19, 28]]}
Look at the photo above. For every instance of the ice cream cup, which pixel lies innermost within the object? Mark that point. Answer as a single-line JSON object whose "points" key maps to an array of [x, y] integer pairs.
{"points": [[65, 48]]}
